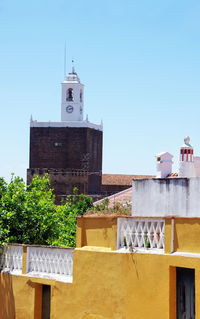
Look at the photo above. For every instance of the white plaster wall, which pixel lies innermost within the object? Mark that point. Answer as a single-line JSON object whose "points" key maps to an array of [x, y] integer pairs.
{"points": [[197, 165], [163, 169], [166, 197], [186, 169]]}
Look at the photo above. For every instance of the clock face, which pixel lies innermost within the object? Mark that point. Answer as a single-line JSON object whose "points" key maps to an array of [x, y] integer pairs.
{"points": [[69, 109]]}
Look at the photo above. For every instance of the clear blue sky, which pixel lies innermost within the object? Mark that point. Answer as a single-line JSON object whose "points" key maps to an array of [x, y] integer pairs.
{"points": [[139, 61]]}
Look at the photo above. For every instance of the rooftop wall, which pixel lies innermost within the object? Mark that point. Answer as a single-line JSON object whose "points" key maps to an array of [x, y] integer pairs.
{"points": [[97, 231], [166, 197], [186, 235]]}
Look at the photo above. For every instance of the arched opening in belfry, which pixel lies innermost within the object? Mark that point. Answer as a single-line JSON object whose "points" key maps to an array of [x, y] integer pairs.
{"points": [[70, 96]]}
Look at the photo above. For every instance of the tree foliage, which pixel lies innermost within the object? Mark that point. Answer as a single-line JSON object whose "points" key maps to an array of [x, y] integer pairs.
{"points": [[28, 215]]}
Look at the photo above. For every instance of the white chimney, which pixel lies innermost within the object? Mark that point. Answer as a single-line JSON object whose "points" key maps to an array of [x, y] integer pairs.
{"points": [[186, 163], [164, 164]]}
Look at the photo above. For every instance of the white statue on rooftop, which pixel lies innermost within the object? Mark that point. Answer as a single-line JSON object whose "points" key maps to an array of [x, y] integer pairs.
{"points": [[187, 142]]}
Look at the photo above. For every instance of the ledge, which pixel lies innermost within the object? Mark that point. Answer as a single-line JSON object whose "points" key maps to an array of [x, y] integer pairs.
{"points": [[95, 248], [141, 251], [36, 276], [186, 254], [83, 124]]}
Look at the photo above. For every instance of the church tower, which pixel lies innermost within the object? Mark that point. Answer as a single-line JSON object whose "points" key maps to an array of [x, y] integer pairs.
{"points": [[72, 98], [69, 150]]}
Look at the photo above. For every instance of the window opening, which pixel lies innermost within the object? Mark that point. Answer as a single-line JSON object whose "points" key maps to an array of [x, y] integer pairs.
{"points": [[70, 96]]}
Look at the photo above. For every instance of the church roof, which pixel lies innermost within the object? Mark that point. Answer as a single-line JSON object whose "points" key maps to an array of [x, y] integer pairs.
{"points": [[120, 179]]}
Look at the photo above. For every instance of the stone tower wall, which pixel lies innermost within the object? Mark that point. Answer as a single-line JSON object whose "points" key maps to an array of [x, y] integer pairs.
{"points": [[72, 157], [64, 147]]}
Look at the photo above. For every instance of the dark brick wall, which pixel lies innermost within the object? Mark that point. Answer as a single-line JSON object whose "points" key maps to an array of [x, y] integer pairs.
{"points": [[72, 157], [55, 147], [94, 184], [107, 190], [62, 181]]}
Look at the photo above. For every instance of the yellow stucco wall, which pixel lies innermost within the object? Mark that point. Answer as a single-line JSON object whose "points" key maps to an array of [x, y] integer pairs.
{"points": [[168, 233], [16, 297], [187, 235], [97, 231], [107, 284], [102, 232]]}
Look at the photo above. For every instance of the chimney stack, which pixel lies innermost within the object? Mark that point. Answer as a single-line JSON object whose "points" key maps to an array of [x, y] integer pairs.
{"points": [[164, 164]]}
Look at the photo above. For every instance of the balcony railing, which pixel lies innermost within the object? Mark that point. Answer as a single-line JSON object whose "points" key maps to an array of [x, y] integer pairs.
{"points": [[141, 233], [11, 259], [49, 262], [44, 262]]}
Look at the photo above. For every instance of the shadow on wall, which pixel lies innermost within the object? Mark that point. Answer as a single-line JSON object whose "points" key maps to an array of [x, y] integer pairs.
{"points": [[186, 235], [100, 232], [7, 303]]}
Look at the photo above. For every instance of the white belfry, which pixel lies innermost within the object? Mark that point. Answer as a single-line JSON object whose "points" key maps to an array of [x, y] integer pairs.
{"points": [[186, 163], [72, 105], [72, 98]]}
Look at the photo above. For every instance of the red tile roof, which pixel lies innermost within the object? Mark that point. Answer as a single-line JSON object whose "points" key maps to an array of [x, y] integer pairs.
{"points": [[122, 197], [172, 175], [120, 179]]}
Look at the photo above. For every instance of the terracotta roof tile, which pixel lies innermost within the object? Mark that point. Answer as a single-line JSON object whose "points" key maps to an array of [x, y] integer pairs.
{"points": [[122, 197], [120, 179], [172, 175]]}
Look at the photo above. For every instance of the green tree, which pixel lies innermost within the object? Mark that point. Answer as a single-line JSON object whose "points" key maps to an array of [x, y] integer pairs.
{"points": [[29, 215], [74, 206]]}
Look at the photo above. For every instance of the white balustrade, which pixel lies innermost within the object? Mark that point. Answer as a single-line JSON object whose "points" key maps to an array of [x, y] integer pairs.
{"points": [[49, 262], [141, 233], [11, 259]]}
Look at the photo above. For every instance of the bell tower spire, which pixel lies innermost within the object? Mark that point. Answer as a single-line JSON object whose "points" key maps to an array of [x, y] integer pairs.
{"points": [[73, 68], [72, 98]]}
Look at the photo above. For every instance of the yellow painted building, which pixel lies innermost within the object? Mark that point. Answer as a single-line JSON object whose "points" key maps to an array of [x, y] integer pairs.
{"points": [[123, 268]]}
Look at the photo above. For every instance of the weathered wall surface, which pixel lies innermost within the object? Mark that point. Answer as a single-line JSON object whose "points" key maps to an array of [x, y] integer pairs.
{"points": [[63, 181], [166, 197], [66, 147], [187, 235], [71, 155], [16, 297], [107, 285]]}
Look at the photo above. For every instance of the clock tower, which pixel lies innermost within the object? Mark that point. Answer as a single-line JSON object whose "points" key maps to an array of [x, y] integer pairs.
{"points": [[70, 150], [72, 98]]}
